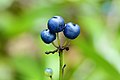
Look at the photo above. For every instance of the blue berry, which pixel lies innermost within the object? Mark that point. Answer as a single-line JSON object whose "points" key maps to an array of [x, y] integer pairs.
{"points": [[47, 36], [56, 24], [71, 30]]}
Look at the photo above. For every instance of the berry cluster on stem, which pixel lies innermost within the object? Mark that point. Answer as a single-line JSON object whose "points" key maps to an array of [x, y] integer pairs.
{"points": [[71, 31]]}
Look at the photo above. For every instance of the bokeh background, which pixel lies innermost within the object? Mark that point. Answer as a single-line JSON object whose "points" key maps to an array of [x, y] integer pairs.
{"points": [[94, 55]]}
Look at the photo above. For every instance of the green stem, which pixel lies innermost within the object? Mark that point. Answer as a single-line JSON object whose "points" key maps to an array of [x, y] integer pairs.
{"points": [[58, 39], [60, 65], [51, 78], [67, 42], [54, 44], [60, 59]]}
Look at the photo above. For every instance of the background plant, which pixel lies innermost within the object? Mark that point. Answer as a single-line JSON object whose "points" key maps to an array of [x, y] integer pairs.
{"points": [[95, 55]]}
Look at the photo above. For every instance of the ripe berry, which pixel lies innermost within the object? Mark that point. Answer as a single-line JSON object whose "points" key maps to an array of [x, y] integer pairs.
{"points": [[56, 24], [47, 36], [71, 30], [48, 72]]}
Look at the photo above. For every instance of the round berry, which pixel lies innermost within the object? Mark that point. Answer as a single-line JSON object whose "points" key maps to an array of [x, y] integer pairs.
{"points": [[71, 30], [56, 24], [48, 72], [47, 36]]}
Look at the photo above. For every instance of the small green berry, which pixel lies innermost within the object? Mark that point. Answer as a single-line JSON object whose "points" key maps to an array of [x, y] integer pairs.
{"points": [[48, 72]]}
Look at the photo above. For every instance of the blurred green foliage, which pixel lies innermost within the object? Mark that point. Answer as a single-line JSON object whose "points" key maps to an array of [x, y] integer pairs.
{"points": [[94, 55]]}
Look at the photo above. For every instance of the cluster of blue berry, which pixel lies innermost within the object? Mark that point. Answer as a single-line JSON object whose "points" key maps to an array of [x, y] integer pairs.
{"points": [[57, 24]]}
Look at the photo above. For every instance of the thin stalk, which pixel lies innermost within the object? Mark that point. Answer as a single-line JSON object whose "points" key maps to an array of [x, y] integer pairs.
{"points": [[54, 44], [67, 42], [51, 78], [60, 65], [58, 39], [60, 60]]}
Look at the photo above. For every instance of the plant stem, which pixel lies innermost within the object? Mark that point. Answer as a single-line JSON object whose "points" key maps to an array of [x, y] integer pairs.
{"points": [[51, 78], [67, 42], [60, 65], [54, 44], [58, 39], [60, 59]]}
